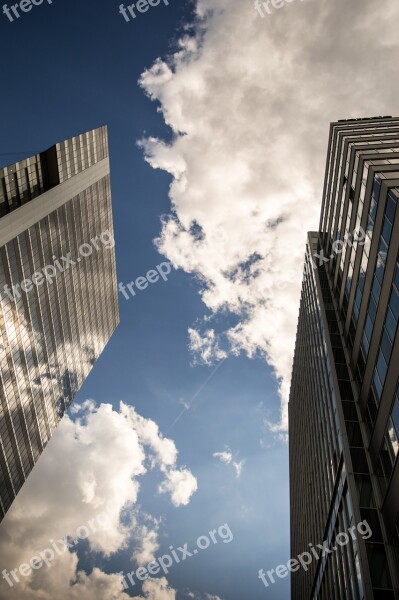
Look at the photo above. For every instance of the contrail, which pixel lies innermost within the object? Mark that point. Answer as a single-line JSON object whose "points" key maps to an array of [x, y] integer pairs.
{"points": [[185, 409]]}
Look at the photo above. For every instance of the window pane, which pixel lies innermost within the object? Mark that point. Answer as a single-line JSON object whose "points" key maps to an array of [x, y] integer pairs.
{"points": [[386, 345], [372, 308], [378, 566], [394, 303], [391, 207], [390, 324], [377, 385], [368, 328], [397, 277], [382, 367], [387, 230], [376, 289], [380, 267], [365, 344], [393, 437], [395, 416]]}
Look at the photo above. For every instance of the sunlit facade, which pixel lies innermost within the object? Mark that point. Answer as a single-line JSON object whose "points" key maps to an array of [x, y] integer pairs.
{"points": [[344, 401], [58, 298]]}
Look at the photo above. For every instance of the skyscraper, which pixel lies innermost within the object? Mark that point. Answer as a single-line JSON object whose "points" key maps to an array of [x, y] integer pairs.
{"points": [[344, 400], [58, 298]]}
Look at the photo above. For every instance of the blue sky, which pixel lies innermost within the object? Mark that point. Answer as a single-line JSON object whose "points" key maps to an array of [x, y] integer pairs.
{"points": [[232, 113]]}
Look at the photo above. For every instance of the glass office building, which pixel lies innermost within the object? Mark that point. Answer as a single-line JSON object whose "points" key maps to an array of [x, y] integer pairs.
{"points": [[58, 293], [344, 400]]}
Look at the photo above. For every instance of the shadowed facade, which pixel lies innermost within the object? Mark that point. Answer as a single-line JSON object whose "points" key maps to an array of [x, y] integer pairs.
{"points": [[344, 406]]}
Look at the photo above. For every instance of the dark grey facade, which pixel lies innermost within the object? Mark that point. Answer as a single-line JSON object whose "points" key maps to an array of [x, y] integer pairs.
{"points": [[58, 293], [344, 400]]}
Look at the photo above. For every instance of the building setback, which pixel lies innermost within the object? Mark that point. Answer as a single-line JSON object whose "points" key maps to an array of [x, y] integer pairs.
{"points": [[344, 400], [58, 298]]}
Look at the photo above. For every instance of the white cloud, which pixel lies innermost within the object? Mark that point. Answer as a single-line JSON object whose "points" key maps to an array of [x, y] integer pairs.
{"points": [[163, 449], [181, 484], [145, 553], [227, 457], [157, 589], [206, 346], [87, 405], [275, 428], [92, 465], [206, 596], [56, 583], [239, 467], [249, 101], [96, 586]]}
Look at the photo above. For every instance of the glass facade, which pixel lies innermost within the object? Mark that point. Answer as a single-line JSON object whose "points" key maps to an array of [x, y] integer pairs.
{"points": [[20, 183], [385, 350], [390, 447], [378, 275], [81, 152], [322, 515], [53, 328], [343, 409]]}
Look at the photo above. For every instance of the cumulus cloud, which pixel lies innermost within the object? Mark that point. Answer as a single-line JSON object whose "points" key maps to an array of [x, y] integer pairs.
{"points": [[180, 484], [206, 346], [56, 583], [227, 457], [95, 586], [87, 484], [157, 589], [164, 452], [145, 553], [249, 101]]}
